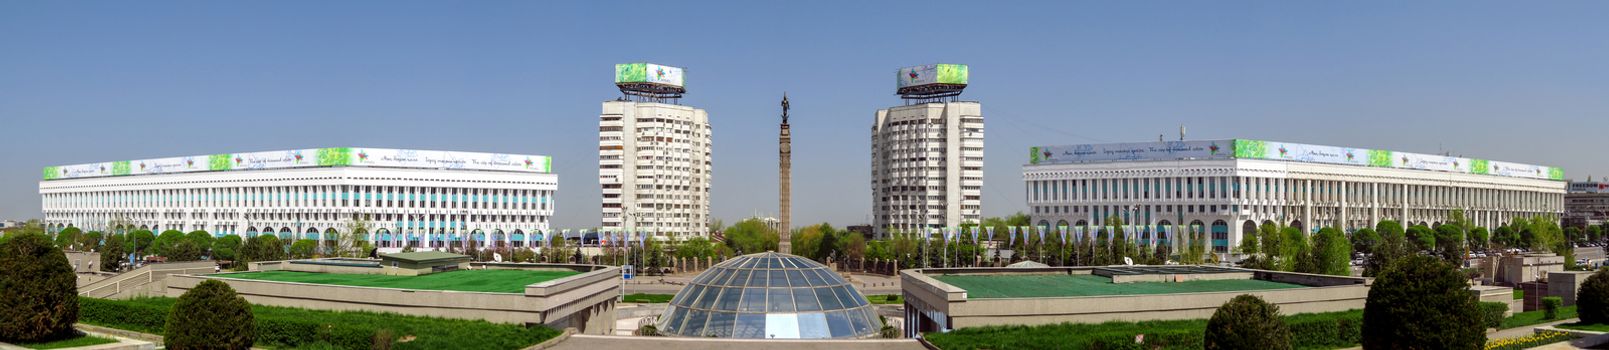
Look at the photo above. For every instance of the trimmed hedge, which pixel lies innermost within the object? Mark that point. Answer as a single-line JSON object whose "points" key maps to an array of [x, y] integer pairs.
{"points": [[281, 327], [1492, 313], [1422, 302], [1308, 331], [1550, 307]]}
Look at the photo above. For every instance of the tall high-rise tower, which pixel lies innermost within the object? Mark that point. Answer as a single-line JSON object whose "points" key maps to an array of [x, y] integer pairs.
{"points": [[654, 156], [785, 181], [927, 155]]}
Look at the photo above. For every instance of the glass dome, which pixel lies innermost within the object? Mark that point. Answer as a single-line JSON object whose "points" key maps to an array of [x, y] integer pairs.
{"points": [[769, 295]]}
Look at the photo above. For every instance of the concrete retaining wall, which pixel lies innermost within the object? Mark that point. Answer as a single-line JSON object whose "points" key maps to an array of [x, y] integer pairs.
{"points": [[585, 301], [925, 294]]}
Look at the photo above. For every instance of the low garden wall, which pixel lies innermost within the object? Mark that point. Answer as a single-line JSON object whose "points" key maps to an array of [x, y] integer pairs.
{"points": [[584, 301]]}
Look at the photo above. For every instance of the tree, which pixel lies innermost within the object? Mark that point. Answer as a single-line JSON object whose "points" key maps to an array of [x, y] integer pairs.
{"points": [[304, 249], [1450, 242], [1332, 254], [201, 239], [1392, 246], [114, 254], [210, 316], [1434, 295], [226, 248], [751, 236], [183, 250], [1592, 300], [1364, 240], [166, 240], [696, 247], [261, 248], [1421, 238], [141, 240], [91, 241], [1248, 243], [1505, 237], [1247, 322], [38, 289], [68, 238], [1478, 239]]}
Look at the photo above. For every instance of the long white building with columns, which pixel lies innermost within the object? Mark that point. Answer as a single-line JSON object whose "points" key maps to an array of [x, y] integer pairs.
{"points": [[1228, 187], [394, 198]]}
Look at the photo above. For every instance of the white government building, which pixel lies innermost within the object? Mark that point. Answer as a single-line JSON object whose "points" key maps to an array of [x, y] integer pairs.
{"points": [[1227, 187], [406, 197]]}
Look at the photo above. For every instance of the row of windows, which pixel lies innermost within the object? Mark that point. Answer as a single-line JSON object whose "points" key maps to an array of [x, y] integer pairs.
{"points": [[1322, 191], [307, 196]]}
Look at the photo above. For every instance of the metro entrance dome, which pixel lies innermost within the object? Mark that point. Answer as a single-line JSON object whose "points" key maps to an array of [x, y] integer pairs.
{"points": [[770, 295]]}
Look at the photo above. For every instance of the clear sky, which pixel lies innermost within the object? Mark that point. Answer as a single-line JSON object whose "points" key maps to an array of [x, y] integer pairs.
{"points": [[99, 81]]}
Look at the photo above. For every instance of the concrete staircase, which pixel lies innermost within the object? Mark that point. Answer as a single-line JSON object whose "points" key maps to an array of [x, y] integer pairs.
{"points": [[148, 280]]}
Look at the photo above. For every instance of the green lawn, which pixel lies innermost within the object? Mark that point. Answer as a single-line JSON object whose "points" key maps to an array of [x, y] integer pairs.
{"points": [[82, 340], [293, 328], [1519, 294], [1521, 319], [886, 299], [649, 298], [1586, 327], [1032, 286], [495, 281]]}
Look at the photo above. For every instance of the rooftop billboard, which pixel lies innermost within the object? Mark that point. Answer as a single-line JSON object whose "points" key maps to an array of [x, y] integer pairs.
{"points": [[649, 73], [942, 73], [308, 157], [1286, 151]]}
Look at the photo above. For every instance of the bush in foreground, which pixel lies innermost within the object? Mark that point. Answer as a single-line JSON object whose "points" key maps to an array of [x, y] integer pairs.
{"points": [[210, 316], [1592, 300], [1247, 322], [1550, 307], [38, 290], [1492, 313], [1422, 302]]}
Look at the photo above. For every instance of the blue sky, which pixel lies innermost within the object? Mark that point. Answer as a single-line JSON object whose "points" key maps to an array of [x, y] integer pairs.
{"points": [[99, 81]]}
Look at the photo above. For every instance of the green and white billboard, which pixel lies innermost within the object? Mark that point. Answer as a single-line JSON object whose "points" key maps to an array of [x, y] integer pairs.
{"points": [[649, 73], [309, 157], [943, 73], [1286, 151]]}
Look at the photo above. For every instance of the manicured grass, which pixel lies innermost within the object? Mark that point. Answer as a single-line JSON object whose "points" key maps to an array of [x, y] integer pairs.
{"points": [[1521, 319], [1031, 286], [886, 299], [292, 328], [81, 340], [1328, 330], [649, 298], [1519, 294], [1586, 327], [494, 281]]}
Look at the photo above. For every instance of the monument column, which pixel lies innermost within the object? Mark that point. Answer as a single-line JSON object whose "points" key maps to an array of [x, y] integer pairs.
{"points": [[785, 182]]}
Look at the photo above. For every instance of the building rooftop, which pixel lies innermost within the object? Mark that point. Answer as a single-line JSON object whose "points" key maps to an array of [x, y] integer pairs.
{"points": [[308, 158], [1282, 151], [491, 281]]}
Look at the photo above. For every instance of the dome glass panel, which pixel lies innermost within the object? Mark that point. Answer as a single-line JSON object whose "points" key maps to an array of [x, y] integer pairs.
{"points": [[769, 295]]}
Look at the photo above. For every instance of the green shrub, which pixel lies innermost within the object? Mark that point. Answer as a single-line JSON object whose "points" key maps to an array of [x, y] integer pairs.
{"points": [[1492, 313], [209, 316], [1326, 330], [1247, 322], [38, 290], [1421, 302], [648, 330], [1550, 307], [1592, 300]]}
